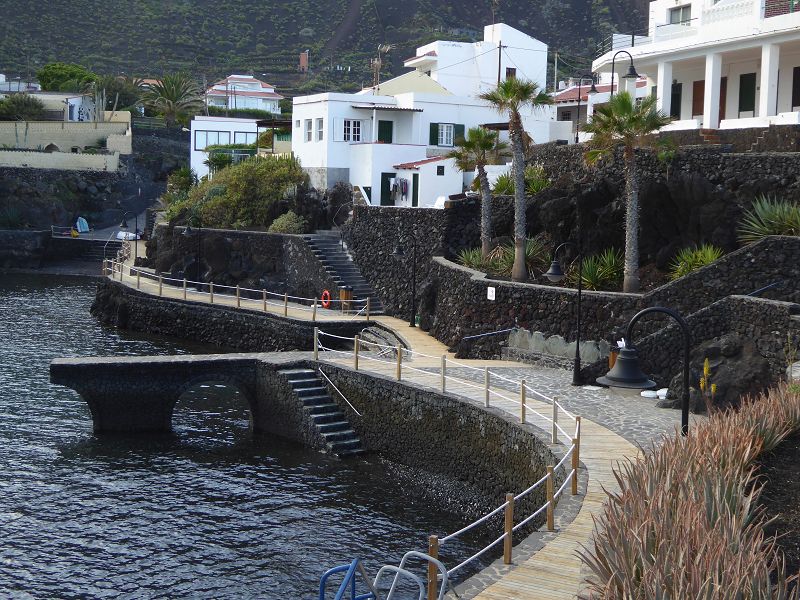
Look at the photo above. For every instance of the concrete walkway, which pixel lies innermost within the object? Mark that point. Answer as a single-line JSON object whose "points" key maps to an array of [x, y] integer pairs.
{"points": [[613, 422]]}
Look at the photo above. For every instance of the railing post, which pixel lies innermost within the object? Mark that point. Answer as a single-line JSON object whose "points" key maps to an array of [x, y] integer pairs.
{"points": [[138, 279], [554, 439], [285, 304], [522, 401], [399, 361], [160, 285], [238, 297], [550, 499], [314, 313], [486, 385], [356, 348], [444, 373], [184, 288], [509, 529], [433, 570], [211, 291], [575, 458], [316, 343], [367, 308], [264, 298]]}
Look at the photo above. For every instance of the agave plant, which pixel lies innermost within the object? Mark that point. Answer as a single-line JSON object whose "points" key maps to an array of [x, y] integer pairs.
{"points": [[503, 185], [600, 271], [691, 259], [471, 258], [769, 216]]}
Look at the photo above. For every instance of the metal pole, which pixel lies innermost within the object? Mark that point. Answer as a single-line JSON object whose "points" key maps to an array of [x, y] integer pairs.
{"points": [[578, 120], [576, 365], [412, 319]]}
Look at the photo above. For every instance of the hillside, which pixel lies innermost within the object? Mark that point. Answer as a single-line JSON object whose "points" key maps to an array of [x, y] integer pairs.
{"points": [[210, 39]]}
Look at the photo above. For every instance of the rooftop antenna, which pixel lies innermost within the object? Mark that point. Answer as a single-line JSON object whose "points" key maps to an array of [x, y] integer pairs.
{"points": [[495, 8], [376, 65]]}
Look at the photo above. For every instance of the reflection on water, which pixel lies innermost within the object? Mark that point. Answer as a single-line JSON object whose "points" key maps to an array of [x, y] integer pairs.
{"points": [[208, 512]]}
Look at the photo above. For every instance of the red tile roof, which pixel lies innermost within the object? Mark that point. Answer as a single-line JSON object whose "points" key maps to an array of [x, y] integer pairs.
{"points": [[571, 94], [416, 164], [429, 53]]}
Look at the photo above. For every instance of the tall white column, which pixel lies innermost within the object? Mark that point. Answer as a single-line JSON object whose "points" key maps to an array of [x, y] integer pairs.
{"points": [[664, 87], [711, 91], [768, 96]]}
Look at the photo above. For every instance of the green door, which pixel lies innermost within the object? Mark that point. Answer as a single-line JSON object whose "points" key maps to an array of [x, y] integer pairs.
{"points": [[386, 189], [385, 131], [415, 189], [747, 92]]}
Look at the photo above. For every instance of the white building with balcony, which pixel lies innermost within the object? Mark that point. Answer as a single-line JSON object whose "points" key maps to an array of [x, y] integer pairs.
{"points": [[718, 63], [243, 91], [379, 135]]}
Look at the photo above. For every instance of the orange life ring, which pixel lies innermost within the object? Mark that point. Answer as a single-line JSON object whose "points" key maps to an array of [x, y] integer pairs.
{"points": [[326, 299]]}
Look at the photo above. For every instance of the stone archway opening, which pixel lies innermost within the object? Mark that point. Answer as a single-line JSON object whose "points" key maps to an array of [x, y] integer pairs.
{"points": [[213, 413]]}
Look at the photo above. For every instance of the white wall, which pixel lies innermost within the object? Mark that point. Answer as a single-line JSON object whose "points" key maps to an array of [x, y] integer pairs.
{"points": [[432, 186], [222, 124]]}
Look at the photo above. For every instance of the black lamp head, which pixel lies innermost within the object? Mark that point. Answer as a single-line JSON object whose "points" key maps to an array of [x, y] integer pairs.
{"points": [[555, 273], [592, 90], [631, 74], [124, 224], [626, 372]]}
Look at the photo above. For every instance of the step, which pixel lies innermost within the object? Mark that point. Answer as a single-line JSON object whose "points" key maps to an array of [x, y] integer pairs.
{"points": [[334, 427], [324, 409], [317, 401], [317, 390], [345, 445], [350, 453], [297, 374], [340, 436], [323, 418], [300, 383]]}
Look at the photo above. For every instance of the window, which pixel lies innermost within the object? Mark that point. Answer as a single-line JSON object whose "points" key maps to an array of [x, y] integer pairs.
{"points": [[203, 139], [352, 130], [446, 134], [297, 123], [309, 125], [320, 129], [440, 170], [511, 73], [680, 15], [244, 137], [566, 115]]}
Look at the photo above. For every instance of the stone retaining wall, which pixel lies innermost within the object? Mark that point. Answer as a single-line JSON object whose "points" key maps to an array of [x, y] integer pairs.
{"points": [[226, 327], [23, 249], [482, 448]]}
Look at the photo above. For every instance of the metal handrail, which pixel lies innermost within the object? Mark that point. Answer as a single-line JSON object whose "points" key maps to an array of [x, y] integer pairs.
{"points": [[328, 379]]}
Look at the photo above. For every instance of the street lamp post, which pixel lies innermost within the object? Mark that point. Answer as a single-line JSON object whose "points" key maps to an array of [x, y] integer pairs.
{"points": [[400, 253], [626, 372], [124, 227], [592, 91], [556, 274], [631, 74], [197, 232]]}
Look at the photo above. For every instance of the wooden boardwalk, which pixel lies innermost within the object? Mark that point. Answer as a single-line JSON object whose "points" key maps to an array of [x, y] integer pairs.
{"points": [[553, 572]]}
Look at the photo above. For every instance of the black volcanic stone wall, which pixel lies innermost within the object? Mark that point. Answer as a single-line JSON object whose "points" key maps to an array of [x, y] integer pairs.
{"points": [[23, 249], [483, 448]]}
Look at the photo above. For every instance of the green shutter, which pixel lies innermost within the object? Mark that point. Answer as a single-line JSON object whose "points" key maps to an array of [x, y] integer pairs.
{"points": [[433, 140], [458, 133]]}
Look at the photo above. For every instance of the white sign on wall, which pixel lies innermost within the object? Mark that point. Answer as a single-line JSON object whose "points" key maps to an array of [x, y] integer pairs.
{"points": [[490, 293]]}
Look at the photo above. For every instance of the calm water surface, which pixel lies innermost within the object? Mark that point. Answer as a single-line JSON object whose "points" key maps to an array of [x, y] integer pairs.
{"points": [[210, 512]]}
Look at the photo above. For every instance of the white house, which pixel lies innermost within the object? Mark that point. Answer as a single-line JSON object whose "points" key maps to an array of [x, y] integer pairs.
{"points": [[243, 91], [370, 138], [218, 131], [718, 63], [18, 84]]}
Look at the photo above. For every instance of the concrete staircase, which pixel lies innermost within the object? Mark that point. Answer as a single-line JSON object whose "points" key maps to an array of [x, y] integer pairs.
{"points": [[323, 412], [327, 247]]}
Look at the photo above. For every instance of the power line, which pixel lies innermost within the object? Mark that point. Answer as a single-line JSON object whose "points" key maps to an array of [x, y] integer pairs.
{"points": [[463, 61]]}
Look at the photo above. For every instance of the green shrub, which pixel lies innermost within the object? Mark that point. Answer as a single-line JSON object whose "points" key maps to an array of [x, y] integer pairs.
{"points": [[769, 216], [536, 179], [179, 182], [239, 113], [691, 259], [503, 185], [600, 271], [21, 107], [472, 258], [501, 260], [289, 223]]}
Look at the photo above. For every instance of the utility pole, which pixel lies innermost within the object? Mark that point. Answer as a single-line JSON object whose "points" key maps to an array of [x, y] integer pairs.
{"points": [[499, 59], [555, 73]]}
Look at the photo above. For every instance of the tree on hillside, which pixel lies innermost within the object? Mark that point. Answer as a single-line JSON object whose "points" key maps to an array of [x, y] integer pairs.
{"points": [[64, 77], [625, 122], [475, 152], [119, 92], [174, 96], [510, 97], [21, 107]]}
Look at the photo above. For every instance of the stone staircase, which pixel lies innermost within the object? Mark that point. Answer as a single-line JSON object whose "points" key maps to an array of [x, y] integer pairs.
{"points": [[323, 412], [327, 247], [754, 147]]}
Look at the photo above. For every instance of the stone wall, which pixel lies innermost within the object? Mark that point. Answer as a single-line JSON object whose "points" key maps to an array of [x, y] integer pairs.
{"points": [[484, 448], [60, 161], [225, 327], [23, 249], [65, 135]]}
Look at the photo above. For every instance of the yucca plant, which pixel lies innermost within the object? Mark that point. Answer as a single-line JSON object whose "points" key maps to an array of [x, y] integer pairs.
{"points": [[503, 185], [691, 259], [769, 216], [536, 179], [471, 258], [599, 271]]}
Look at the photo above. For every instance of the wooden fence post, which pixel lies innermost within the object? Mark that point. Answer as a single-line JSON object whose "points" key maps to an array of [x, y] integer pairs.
{"points": [[399, 361], [314, 313], [575, 459], [285, 304], [509, 529], [554, 437], [238, 297], [316, 343], [367, 308], [486, 384], [550, 499], [433, 571], [160, 285], [138, 279], [444, 373], [211, 291], [264, 297], [356, 347], [522, 401], [184, 288]]}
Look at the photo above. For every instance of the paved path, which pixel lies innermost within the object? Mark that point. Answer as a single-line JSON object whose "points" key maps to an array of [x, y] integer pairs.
{"points": [[614, 422]]}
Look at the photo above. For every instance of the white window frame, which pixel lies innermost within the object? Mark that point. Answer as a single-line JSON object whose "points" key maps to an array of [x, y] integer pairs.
{"points": [[249, 137], [210, 138], [679, 10], [447, 132], [320, 130], [351, 130], [309, 130]]}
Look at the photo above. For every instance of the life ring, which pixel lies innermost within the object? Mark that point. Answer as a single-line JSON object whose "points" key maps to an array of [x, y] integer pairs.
{"points": [[326, 299]]}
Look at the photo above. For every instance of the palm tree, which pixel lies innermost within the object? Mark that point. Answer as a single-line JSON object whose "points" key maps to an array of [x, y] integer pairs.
{"points": [[632, 124], [510, 97], [173, 96], [476, 151]]}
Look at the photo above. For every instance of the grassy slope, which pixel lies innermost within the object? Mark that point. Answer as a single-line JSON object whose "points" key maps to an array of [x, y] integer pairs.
{"points": [[209, 38]]}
